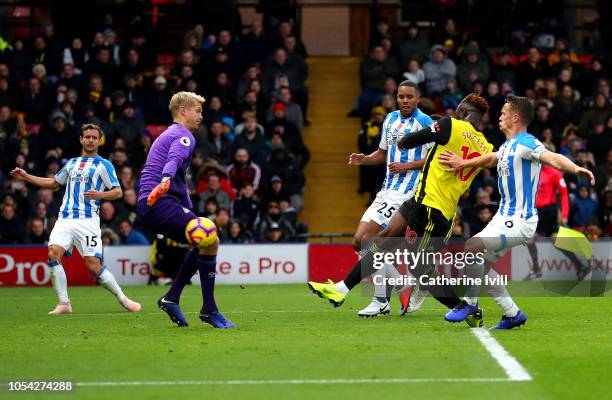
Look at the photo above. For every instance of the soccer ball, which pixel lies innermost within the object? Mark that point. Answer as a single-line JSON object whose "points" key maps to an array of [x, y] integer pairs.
{"points": [[201, 232]]}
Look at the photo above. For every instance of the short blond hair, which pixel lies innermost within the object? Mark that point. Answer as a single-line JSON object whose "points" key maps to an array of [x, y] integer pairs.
{"points": [[184, 99]]}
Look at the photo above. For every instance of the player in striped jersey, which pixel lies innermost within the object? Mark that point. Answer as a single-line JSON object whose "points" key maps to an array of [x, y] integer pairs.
{"points": [[518, 162], [87, 179], [402, 178]]}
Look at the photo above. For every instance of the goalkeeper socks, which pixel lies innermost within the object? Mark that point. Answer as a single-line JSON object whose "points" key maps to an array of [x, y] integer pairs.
{"points": [[183, 277], [60, 283], [206, 267], [107, 280]]}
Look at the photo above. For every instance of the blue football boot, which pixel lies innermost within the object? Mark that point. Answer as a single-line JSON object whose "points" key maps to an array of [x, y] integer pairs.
{"points": [[511, 322], [216, 319], [173, 310], [461, 312]]}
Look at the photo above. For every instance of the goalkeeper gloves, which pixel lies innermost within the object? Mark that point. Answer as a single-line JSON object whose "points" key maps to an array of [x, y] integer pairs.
{"points": [[159, 191]]}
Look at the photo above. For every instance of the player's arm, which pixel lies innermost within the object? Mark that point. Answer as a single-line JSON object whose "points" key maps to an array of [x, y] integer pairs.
{"points": [[114, 194], [566, 165], [47, 183], [439, 132], [455, 163], [375, 158], [397, 167], [180, 150]]}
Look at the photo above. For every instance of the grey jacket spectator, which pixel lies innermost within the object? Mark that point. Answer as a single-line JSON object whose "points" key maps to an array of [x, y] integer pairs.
{"points": [[293, 111], [215, 191], [376, 68], [438, 70]]}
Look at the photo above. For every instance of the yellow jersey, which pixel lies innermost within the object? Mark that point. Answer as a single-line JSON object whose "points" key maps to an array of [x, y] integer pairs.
{"points": [[440, 189]]}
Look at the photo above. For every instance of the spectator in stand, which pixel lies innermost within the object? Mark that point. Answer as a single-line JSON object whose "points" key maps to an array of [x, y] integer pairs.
{"points": [[596, 114], [584, 208], [473, 68], [600, 141], [274, 234], [217, 146], [246, 208], [215, 110], [222, 221], [439, 70], [36, 232], [292, 111], [414, 73], [252, 140], [281, 163], [295, 77], [272, 218], [127, 208], [535, 67], [128, 127], [566, 110], [215, 191], [76, 55], [236, 235], [290, 136], [243, 171], [414, 47], [373, 73], [503, 70], [156, 108], [544, 121], [131, 236], [34, 103], [11, 228], [108, 216]]}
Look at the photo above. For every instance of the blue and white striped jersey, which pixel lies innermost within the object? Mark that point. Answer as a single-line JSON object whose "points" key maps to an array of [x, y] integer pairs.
{"points": [[518, 168], [80, 175], [394, 128]]}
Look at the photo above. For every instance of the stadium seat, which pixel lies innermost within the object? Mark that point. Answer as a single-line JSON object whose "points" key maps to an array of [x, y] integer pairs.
{"points": [[156, 130]]}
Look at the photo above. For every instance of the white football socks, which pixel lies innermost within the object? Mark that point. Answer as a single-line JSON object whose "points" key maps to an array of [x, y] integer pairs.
{"points": [[107, 280], [500, 295], [342, 288], [60, 283]]}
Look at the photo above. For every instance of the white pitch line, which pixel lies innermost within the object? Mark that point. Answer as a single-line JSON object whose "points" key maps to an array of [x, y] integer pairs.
{"points": [[514, 370], [292, 381]]}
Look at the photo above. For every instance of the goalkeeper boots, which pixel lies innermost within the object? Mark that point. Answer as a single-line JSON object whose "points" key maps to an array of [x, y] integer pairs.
{"points": [[173, 310]]}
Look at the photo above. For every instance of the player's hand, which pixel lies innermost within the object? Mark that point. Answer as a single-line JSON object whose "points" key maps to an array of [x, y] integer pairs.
{"points": [[585, 174], [450, 159], [159, 191], [356, 158], [19, 173], [398, 167], [93, 195]]}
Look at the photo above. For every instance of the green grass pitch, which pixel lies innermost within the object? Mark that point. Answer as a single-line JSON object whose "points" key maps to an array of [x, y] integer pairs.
{"points": [[300, 345]]}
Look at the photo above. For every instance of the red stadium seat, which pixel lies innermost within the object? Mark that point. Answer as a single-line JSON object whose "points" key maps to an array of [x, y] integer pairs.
{"points": [[33, 128], [156, 130], [167, 60], [585, 58]]}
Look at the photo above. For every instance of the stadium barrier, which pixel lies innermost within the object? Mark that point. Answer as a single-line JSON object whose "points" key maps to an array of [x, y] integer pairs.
{"points": [[267, 264]]}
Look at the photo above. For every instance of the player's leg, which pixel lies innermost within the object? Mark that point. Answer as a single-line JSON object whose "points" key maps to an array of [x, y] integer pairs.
{"points": [[60, 282], [336, 292], [88, 240], [207, 263], [60, 240], [107, 280]]}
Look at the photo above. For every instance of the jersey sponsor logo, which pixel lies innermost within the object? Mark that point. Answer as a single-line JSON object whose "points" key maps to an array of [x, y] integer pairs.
{"points": [[503, 169], [185, 141], [435, 127], [79, 176]]}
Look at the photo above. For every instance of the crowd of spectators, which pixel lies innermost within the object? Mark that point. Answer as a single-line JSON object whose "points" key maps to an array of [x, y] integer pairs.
{"points": [[247, 168], [571, 93]]}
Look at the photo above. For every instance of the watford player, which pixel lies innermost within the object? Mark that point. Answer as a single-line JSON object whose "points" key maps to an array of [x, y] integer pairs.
{"points": [[430, 213]]}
